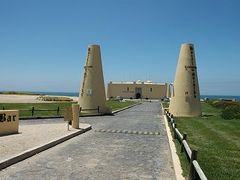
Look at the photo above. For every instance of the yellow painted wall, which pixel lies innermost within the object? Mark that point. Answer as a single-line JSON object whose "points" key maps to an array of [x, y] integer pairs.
{"points": [[128, 90]]}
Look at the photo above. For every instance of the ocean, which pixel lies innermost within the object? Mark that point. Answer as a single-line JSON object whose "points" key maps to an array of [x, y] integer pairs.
{"points": [[220, 97], [77, 94]]}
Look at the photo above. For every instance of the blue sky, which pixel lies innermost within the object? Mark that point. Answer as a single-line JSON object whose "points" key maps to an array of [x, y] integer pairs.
{"points": [[43, 43]]}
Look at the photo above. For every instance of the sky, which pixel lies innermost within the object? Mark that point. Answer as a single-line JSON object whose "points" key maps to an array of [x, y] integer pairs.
{"points": [[43, 43]]}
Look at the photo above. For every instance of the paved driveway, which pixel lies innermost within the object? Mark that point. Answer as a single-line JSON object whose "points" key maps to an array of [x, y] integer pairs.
{"points": [[130, 145]]}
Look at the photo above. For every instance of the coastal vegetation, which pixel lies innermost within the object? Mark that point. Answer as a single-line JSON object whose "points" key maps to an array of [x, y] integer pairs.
{"points": [[54, 98], [215, 138], [18, 93], [52, 109], [229, 109]]}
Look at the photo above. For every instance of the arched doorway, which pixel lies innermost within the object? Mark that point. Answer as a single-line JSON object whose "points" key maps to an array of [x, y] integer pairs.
{"points": [[138, 96], [138, 92]]}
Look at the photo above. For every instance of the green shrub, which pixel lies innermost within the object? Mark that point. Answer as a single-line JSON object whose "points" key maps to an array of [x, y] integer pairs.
{"points": [[230, 109], [54, 98], [18, 93], [224, 104], [231, 112]]}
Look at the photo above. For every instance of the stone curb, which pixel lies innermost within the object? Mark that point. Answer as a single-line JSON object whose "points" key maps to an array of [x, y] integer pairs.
{"points": [[175, 159], [31, 152], [119, 110]]}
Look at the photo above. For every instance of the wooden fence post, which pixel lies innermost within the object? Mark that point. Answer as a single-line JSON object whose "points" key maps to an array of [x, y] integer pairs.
{"points": [[192, 172], [174, 130], [32, 110], [168, 117], [184, 138], [58, 109]]}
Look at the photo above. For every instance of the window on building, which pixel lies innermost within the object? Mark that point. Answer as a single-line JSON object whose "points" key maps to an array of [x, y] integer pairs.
{"points": [[150, 89], [127, 88]]}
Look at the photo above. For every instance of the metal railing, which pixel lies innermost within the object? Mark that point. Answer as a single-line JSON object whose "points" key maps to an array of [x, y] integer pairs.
{"points": [[195, 172]]}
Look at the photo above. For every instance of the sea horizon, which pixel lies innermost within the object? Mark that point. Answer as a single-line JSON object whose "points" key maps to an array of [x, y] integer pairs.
{"points": [[76, 94]]}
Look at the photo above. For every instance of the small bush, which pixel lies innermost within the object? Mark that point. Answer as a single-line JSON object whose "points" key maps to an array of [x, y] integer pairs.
{"points": [[54, 98], [230, 109], [18, 93], [223, 104], [231, 112]]}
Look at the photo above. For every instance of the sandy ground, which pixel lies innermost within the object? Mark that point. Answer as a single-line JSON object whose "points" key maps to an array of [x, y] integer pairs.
{"points": [[31, 135], [24, 99]]}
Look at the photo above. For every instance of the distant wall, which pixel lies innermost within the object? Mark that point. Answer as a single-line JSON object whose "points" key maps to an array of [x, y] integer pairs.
{"points": [[151, 91]]}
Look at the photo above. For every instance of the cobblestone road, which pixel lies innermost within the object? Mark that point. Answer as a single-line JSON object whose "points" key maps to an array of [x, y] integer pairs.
{"points": [[130, 145]]}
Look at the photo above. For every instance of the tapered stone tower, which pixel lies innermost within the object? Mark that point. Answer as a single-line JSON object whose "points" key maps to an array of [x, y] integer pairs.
{"points": [[92, 98], [168, 93], [185, 99]]}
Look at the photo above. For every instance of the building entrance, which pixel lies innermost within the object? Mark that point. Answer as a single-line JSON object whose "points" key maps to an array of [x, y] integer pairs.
{"points": [[138, 93], [138, 96]]}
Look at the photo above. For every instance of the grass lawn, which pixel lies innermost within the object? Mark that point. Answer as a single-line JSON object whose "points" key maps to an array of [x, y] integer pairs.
{"points": [[37, 106], [165, 104], [115, 105], [53, 106], [217, 141]]}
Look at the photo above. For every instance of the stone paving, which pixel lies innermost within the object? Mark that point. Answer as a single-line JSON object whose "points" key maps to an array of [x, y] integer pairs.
{"points": [[33, 133], [114, 149], [30, 136]]}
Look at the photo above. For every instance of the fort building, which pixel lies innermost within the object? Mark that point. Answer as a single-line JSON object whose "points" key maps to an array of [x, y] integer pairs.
{"points": [[138, 90]]}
